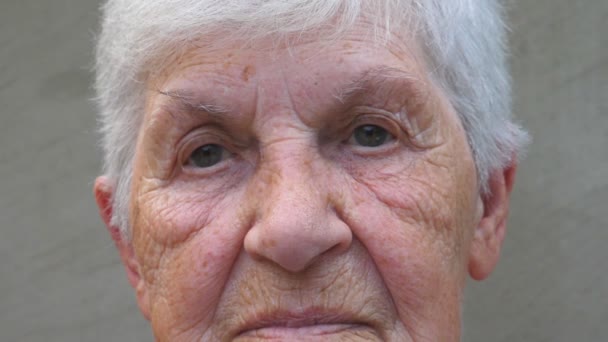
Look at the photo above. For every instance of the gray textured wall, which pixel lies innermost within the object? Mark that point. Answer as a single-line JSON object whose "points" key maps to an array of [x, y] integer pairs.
{"points": [[61, 280]]}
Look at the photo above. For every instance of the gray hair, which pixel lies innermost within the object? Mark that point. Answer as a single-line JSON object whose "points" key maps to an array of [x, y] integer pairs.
{"points": [[463, 42]]}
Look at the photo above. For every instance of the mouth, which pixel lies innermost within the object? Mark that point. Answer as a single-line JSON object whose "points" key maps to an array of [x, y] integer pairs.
{"points": [[294, 326]]}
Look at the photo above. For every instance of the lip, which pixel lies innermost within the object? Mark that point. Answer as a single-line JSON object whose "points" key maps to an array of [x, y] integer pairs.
{"points": [[286, 324]]}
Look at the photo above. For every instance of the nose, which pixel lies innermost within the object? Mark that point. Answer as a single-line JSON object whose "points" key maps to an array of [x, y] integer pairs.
{"points": [[297, 220]]}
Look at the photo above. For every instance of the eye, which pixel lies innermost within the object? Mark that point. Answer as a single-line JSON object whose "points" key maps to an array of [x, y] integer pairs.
{"points": [[207, 156], [370, 136]]}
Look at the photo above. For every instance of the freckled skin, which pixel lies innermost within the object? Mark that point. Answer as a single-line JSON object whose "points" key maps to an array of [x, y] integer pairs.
{"points": [[291, 221]]}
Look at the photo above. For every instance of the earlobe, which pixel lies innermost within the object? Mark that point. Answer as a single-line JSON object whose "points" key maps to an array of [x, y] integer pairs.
{"points": [[103, 190], [490, 231]]}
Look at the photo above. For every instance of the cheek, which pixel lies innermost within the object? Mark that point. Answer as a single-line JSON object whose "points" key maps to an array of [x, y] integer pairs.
{"points": [[411, 220], [423, 197], [187, 244], [404, 253], [190, 283], [410, 256]]}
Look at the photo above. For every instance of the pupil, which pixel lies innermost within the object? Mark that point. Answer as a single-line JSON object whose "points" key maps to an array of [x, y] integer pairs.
{"points": [[370, 135], [207, 155]]}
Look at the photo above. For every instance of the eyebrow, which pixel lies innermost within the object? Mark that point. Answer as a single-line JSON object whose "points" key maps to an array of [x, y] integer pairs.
{"points": [[186, 101], [376, 78]]}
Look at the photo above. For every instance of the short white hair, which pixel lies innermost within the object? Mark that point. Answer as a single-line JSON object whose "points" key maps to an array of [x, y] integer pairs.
{"points": [[464, 43]]}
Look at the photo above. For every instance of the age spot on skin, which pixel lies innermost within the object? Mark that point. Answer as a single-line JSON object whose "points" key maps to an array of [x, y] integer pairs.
{"points": [[248, 72]]}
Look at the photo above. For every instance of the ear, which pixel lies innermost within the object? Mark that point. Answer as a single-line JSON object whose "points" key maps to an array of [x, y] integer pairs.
{"points": [[104, 190], [490, 231]]}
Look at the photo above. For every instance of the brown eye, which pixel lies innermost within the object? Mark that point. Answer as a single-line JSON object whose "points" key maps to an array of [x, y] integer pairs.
{"points": [[371, 136], [207, 156]]}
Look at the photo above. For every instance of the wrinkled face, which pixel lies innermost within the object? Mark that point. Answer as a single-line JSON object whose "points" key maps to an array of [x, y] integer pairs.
{"points": [[310, 193]]}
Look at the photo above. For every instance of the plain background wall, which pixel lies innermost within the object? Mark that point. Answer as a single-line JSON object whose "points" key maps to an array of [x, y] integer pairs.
{"points": [[61, 279]]}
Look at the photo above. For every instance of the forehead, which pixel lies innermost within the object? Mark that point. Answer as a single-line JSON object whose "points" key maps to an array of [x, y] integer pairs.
{"points": [[309, 70], [308, 78], [320, 48]]}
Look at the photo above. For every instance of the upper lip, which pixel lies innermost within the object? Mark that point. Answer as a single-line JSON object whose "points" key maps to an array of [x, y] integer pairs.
{"points": [[305, 318]]}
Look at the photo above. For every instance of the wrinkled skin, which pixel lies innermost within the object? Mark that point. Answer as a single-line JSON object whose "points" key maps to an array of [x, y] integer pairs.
{"points": [[299, 232]]}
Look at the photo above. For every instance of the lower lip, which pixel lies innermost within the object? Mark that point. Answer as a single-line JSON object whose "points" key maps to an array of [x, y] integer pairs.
{"points": [[290, 333]]}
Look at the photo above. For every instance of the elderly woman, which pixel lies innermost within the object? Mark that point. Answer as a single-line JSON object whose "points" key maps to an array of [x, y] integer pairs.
{"points": [[305, 169]]}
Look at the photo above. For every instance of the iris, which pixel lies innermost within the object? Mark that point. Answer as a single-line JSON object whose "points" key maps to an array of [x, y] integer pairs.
{"points": [[370, 135], [207, 155]]}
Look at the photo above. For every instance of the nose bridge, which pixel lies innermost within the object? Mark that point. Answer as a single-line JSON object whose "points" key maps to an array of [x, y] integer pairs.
{"points": [[293, 200], [295, 222], [289, 179]]}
